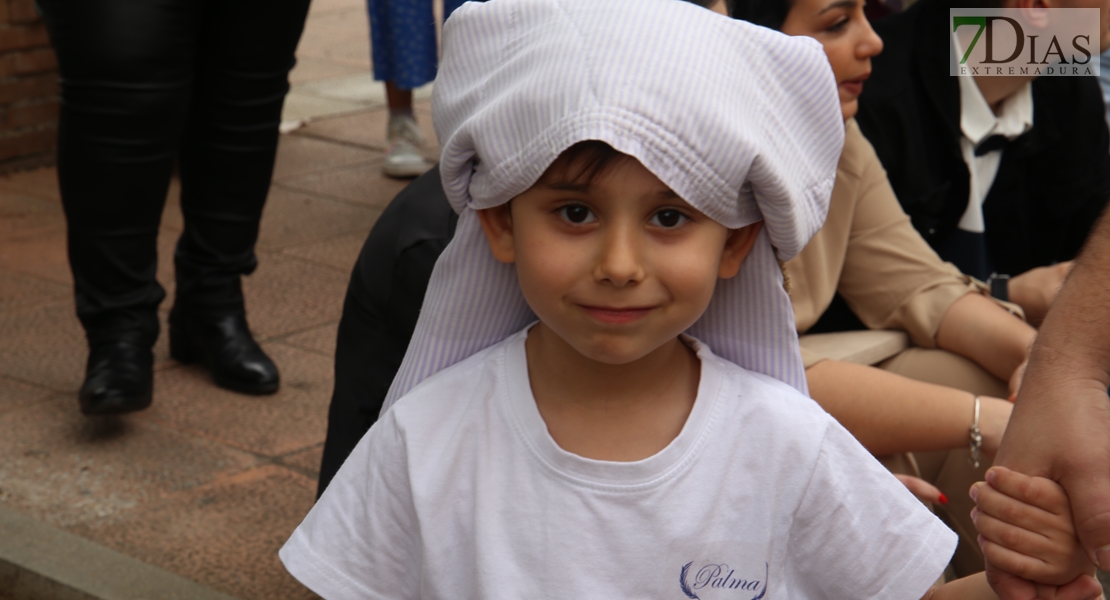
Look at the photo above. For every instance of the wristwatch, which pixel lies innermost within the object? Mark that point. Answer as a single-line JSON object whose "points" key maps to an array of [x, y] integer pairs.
{"points": [[999, 286]]}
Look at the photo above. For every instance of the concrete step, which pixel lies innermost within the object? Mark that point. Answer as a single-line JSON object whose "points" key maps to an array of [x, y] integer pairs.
{"points": [[40, 562]]}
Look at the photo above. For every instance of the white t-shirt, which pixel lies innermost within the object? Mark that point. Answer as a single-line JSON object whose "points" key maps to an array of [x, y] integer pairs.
{"points": [[460, 492]]}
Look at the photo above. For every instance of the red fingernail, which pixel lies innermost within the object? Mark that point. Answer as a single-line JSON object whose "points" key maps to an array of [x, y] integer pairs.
{"points": [[1013, 397], [942, 499]]}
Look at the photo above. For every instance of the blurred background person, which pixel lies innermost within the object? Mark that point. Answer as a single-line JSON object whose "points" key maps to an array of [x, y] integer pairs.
{"points": [[1003, 175], [145, 84], [405, 56]]}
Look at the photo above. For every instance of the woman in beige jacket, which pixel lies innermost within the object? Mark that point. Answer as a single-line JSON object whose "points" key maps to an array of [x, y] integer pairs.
{"points": [[968, 346]]}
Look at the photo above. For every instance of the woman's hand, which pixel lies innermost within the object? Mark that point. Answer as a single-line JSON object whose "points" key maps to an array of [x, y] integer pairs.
{"points": [[1035, 289], [925, 491], [994, 415]]}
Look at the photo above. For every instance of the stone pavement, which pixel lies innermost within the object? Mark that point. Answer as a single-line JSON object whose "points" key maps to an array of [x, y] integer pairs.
{"points": [[206, 484]]}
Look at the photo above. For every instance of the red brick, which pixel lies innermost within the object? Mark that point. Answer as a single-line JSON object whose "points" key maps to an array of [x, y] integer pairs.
{"points": [[28, 88], [40, 60], [22, 11], [27, 143], [36, 61], [23, 37], [25, 115]]}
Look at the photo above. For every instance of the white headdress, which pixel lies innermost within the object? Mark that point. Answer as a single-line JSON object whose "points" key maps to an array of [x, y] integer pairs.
{"points": [[742, 122]]}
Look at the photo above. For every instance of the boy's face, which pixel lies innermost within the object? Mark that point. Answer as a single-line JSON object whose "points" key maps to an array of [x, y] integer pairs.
{"points": [[618, 265]]}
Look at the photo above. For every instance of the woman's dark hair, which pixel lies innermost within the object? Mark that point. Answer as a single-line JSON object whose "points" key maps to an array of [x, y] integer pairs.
{"points": [[768, 13]]}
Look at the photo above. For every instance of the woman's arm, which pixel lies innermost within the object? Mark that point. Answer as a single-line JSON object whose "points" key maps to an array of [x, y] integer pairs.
{"points": [[889, 413], [981, 330]]}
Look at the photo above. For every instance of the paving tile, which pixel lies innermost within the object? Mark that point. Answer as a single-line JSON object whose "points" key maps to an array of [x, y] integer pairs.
{"points": [[171, 212], [42, 182], [340, 253], [45, 345], [16, 394], [18, 291], [306, 461], [367, 128], [42, 256], [341, 24], [363, 183], [65, 469], [274, 425], [293, 217], [318, 339], [288, 295], [360, 87], [312, 69], [321, 6], [225, 535], [351, 53], [299, 155], [305, 107], [23, 215]]}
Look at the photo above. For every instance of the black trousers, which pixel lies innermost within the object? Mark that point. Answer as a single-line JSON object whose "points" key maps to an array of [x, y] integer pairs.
{"points": [[145, 83]]}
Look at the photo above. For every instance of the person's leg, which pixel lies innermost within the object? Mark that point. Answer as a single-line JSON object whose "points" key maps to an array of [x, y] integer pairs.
{"points": [[126, 72], [244, 55], [951, 470], [404, 53]]}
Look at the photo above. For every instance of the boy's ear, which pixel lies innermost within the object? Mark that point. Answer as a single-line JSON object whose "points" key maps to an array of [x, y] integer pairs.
{"points": [[497, 224], [739, 243]]}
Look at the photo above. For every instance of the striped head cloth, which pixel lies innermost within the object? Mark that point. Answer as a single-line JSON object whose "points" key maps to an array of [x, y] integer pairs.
{"points": [[740, 121]]}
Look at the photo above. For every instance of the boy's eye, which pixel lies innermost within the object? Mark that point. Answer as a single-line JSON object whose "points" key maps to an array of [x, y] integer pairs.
{"points": [[668, 218], [577, 214]]}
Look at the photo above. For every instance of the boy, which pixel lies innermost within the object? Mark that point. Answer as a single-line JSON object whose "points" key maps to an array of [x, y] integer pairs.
{"points": [[611, 190]]}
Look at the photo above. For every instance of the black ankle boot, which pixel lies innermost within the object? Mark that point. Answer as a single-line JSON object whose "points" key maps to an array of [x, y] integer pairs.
{"points": [[223, 344], [118, 379]]}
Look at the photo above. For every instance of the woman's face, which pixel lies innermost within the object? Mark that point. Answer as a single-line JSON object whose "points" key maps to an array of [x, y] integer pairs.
{"points": [[849, 42]]}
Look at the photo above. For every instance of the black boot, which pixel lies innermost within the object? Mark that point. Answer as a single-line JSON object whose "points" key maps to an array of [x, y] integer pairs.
{"points": [[223, 344], [119, 378]]}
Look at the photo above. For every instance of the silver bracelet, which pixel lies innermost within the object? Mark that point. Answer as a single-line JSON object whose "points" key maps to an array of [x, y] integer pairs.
{"points": [[976, 437]]}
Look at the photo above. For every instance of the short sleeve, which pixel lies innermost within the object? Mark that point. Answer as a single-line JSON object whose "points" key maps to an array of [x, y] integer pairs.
{"points": [[362, 538], [859, 533]]}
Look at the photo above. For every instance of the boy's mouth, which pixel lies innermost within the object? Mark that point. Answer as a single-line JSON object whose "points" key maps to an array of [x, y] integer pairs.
{"points": [[617, 315]]}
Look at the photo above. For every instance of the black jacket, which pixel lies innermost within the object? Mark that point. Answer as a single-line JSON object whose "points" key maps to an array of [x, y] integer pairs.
{"points": [[1052, 181], [380, 312]]}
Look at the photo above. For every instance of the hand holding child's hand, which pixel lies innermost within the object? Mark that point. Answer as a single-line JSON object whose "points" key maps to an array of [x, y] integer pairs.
{"points": [[924, 490], [1027, 536]]}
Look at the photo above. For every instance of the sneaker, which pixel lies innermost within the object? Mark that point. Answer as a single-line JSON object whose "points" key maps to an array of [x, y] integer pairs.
{"points": [[403, 159]]}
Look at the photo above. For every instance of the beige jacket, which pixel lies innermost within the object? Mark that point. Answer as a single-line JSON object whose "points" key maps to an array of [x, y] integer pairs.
{"points": [[870, 253]]}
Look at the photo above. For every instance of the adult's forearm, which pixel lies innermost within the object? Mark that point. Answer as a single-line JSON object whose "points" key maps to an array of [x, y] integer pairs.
{"points": [[1061, 422], [1075, 336], [981, 330], [889, 413]]}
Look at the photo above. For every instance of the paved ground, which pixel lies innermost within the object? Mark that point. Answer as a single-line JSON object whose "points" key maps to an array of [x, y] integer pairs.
{"points": [[206, 483]]}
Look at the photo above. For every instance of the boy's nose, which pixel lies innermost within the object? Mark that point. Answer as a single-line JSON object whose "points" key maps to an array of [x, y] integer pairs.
{"points": [[619, 261]]}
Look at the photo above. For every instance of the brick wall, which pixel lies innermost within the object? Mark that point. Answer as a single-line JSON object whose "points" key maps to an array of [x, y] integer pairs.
{"points": [[28, 88]]}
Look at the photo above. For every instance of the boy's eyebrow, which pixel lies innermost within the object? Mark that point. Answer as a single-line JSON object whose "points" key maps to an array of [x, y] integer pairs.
{"points": [[835, 5]]}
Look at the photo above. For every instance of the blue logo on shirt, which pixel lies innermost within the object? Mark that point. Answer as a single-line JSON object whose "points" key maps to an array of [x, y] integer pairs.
{"points": [[719, 576]]}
